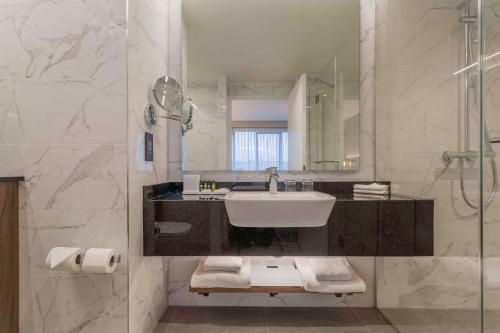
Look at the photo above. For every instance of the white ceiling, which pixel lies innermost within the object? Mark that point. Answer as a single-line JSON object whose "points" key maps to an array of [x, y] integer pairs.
{"points": [[264, 40], [259, 110]]}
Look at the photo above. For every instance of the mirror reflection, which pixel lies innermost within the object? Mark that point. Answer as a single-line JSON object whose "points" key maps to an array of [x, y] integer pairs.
{"points": [[275, 83]]}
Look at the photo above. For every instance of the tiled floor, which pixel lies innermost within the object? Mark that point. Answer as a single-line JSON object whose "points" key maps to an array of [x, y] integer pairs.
{"points": [[272, 320], [439, 321]]}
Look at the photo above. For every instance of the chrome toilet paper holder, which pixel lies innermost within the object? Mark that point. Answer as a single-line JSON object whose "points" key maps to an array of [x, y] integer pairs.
{"points": [[118, 259]]}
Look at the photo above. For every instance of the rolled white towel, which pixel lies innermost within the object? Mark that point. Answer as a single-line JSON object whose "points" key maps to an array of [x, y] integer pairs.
{"points": [[331, 269], [371, 187], [222, 263]]}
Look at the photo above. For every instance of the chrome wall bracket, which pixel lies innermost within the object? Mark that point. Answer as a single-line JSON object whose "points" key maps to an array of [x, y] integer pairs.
{"points": [[151, 116]]}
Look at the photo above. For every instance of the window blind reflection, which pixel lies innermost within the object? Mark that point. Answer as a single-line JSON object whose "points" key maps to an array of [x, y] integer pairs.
{"points": [[259, 148]]}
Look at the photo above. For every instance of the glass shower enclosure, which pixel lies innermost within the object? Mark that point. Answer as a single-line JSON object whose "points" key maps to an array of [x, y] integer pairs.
{"points": [[438, 136]]}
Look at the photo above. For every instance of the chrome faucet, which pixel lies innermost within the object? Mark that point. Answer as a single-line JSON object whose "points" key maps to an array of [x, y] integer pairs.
{"points": [[273, 179]]}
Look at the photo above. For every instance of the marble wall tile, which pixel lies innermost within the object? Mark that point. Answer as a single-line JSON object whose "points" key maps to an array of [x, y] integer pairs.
{"points": [[69, 176], [175, 70], [63, 127], [205, 145], [491, 106], [428, 282], [151, 54], [83, 303], [420, 115], [66, 74]]}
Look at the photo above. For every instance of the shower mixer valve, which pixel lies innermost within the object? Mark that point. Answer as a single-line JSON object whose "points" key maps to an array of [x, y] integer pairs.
{"points": [[449, 156]]}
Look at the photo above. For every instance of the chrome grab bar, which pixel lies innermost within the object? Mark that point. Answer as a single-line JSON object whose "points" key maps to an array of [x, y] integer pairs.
{"points": [[495, 140]]}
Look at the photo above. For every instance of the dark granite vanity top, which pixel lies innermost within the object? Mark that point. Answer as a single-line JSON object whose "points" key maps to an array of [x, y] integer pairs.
{"points": [[178, 196], [11, 179], [392, 225], [340, 190]]}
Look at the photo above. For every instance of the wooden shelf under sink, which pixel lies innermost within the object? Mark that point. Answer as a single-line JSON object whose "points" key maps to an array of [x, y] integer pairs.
{"points": [[271, 290]]}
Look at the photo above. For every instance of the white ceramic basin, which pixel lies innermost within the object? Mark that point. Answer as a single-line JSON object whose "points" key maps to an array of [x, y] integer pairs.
{"points": [[280, 210]]}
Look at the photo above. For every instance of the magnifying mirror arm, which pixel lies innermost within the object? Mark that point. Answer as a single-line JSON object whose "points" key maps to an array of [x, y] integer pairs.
{"points": [[172, 117], [151, 115]]}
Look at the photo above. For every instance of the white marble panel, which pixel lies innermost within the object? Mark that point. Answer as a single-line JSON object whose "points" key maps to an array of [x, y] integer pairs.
{"points": [[83, 177], [149, 51], [66, 74], [62, 304], [428, 282]]}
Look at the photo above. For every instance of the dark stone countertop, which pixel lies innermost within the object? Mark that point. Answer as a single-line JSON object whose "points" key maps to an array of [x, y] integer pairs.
{"points": [[342, 191], [11, 179], [178, 196], [393, 225]]}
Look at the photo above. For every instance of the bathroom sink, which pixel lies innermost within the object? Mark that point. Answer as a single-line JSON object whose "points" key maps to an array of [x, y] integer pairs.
{"points": [[279, 210]]}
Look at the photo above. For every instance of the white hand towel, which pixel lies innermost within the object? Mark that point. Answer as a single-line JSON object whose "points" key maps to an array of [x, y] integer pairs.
{"points": [[228, 264], [331, 269], [222, 279], [312, 284], [371, 187], [377, 192], [363, 196]]}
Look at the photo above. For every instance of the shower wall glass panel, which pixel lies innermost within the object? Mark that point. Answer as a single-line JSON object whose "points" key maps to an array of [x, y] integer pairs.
{"points": [[428, 103], [489, 24]]}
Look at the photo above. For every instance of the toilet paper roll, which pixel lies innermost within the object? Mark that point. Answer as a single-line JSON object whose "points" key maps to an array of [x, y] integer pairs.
{"points": [[67, 259], [99, 261]]}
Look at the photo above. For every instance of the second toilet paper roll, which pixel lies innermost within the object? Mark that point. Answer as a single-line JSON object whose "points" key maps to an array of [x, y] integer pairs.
{"points": [[100, 261]]}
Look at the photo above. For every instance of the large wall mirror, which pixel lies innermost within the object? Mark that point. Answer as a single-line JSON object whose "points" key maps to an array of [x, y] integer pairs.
{"points": [[275, 83]]}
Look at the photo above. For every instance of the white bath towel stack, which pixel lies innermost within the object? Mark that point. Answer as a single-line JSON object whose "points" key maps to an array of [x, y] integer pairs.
{"points": [[222, 272], [370, 190]]}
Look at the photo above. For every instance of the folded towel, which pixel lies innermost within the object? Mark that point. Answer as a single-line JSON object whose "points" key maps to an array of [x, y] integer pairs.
{"points": [[362, 196], [331, 269], [377, 192], [371, 187], [312, 284], [229, 264], [221, 279]]}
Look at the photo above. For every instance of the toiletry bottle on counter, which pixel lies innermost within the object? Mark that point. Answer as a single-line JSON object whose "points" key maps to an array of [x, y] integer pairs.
{"points": [[213, 186]]}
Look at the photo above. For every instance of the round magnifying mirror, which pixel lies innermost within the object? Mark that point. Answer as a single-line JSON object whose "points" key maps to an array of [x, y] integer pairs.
{"points": [[167, 92]]}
